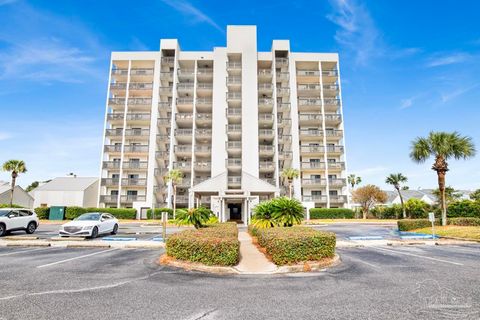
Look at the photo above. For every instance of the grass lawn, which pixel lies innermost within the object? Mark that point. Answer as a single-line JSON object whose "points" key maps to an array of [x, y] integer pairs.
{"points": [[454, 231], [326, 221]]}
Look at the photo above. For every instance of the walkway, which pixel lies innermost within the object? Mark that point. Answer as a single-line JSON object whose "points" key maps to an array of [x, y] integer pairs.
{"points": [[251, 259]]}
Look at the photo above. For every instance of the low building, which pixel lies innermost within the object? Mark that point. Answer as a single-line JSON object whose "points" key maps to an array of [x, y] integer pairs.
{"points": [[20, 196], [67, 191], [426, 195]]}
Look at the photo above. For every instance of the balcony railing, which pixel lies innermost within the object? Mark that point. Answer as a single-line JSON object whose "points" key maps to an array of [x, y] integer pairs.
{"points": [[165, 105], [168, 59], [313, 165], [141, 72], [183, 165], [314, 182], [265, 117], [264, 72], [330, 73], [184, 116], [265, 133], [282, 76], [134, 182], [311, 133], [234, 111], [111, 165], [234, 145], [203, 132], [338, 199], [308, 73], [204, 101], [234, 128], [234, 96], [234, 80], [333, 117], [265, 148], [265, 101], [136, 148], [135, 165], [118, 86], [183, 132], [113, 148], [116, 101], [234, 162], [334, 133], [181, 199], [120, 72], [331, 102], [184, 100], [283, 91], [266, 165], [186, 72], [141, 86], [234, 180], [132, 198], [283, 107], [185, 86], [137, 132], [234, 65], [113, 198], [315, 198], [110, 182], [265, 86], [204, 86], [321, 149], [280, 62], [204, 116], [199, 148], [140, 101], [337, 182], [336, 165], [204, 71], [330, 87], [309, 102], [163, 121], [203, 165], [138, 116], [183, 148], [309, 87], [114, 132], [115, 116]]}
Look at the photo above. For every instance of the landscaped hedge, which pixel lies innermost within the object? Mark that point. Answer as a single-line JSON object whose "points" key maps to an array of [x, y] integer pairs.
{"points": [[464, 208], [411, 224], [464, 221], [158, 213], [290, 245], [42, 212], [214, 245], [331, 213]]}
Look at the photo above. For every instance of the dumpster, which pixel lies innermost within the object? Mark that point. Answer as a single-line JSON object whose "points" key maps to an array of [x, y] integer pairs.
{"points": [[57, 213]]}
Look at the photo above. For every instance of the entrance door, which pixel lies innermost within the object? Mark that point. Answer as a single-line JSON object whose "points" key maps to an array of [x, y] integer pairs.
{"points": [[235, 211]]}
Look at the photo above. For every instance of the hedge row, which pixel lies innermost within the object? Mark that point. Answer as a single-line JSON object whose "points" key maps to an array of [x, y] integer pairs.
{"points": [[411, 224], [464, 208], [214, 245], [331, 213], [290, 245], [464, 221], [158, 213], [74, 212]]}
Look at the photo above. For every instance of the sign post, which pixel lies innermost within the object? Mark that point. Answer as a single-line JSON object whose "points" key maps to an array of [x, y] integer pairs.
{"points": [[164, 226], [431, 218]]}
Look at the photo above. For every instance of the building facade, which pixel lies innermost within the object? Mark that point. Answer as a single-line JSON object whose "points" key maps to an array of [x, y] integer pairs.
{"points": [[230, 119]]}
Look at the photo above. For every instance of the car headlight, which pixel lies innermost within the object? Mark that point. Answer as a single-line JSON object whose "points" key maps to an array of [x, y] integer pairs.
{"points": [[88, 228]]}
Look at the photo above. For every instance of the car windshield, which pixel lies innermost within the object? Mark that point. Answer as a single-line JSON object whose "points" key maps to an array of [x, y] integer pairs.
{"points": [[4, 213], [89, 217]]}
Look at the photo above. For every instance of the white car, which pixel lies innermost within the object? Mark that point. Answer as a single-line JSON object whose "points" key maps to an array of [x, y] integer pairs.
{"points": [[90, 225], [13, 219]]}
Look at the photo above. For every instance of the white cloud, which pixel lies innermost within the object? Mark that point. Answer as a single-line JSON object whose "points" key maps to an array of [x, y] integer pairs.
{"points": [[406, 103], [187, 9], [439, 60], [5, 136], [456, 93]]}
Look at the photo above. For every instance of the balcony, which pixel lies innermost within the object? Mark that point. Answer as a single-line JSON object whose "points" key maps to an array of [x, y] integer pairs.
{"points": [[140, 101], [120, 72], [335, 150], [118, 86], [266, 166], [234, 163], [184, 166], [136, 182], [234, 130], [264, 73], [113, 148], [234, 65], [234, 81], [234, 147], [266, 150], [310, 104], [314, 182], [315, 198], [181, 199], [234, 96], [284, 138], [114, 132], [336, 165], [184, 135], [311, 134], [135, 165], [116, 101], [204, 87], [285, 155], [204, 73], [310, 119], [203, 119], [283, 107], [141, 72], [265, 119], [265, 134], [330, 73], [165, 105], [113, 198], [234, 181], [282, 76], [202, 150], [283, 122], [265, 88], [309, 88], [166, 76], [185, 87], [338, 199], [163, 121], [184, 118], [203, 134], [138, 117], [137, 133], [135, 149], [111, 165], [337, 182], [334, 134], [165, 91], [281, 62], [203, 166], [331, 105], [184, 102], [183, 150], [110, 182], [168, 60], [141, 86], [234, 113], [162, 155], [308, 73], [186, 73], [283, 92], [312, 150], [333, 119], [204, 102], [313, 165], [132, 198]]}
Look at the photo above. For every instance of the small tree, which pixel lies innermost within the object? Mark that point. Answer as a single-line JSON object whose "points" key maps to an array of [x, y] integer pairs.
{"points": [[198, 217], [442, 146], [396, 179], [353, 180], [475, 195], [174, 177], [451, 195], [290, 174], [369, 196], [15, 167]]}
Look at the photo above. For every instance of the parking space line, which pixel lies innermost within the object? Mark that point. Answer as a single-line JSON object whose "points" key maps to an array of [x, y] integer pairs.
{"points": [[418, 256], [22, 251], [75, 258]]}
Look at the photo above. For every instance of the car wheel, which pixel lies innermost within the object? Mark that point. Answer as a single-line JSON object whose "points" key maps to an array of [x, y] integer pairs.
{"points": [[3, 230], [94, 233], [115, 229], [32, 226]]}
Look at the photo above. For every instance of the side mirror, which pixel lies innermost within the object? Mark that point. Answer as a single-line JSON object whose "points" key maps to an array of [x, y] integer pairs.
{"points": [[11, 216], [102, 219]]}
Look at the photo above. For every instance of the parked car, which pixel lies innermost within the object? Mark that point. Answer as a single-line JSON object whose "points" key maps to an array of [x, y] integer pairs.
{"points": [[90, 225], [13, 219]]}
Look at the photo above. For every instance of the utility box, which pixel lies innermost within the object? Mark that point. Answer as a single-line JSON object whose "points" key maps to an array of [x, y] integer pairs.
{"points": [[57, 213]]}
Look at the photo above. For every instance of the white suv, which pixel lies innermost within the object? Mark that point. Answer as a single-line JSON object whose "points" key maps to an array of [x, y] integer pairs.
{"points": [[12, 219]]}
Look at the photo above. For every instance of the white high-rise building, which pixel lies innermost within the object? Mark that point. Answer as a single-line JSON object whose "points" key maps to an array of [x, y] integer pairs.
{"points": [[230, 119]]}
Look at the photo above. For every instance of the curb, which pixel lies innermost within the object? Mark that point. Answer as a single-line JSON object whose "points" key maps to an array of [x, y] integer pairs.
{"points": [[17, 238], [83, 244], [192, 266]]}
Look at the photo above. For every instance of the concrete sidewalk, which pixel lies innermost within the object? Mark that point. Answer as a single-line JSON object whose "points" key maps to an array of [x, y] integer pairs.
{"points": [[252, 261]]}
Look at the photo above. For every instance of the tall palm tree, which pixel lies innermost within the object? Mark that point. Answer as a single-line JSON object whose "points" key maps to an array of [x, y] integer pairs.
{"points": [[290, 174], [15, 167], [442, 146], [396, 179], [174, 177], [353, 180]]}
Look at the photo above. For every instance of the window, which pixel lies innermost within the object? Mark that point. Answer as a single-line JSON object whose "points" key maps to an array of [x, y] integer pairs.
{"points": [[333, 192], [25, 213], [114, 192], [332, 176], [316, 193]]}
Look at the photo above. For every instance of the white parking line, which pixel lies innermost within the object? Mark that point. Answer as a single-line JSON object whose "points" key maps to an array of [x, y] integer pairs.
{"points": [[22, 251], [418, 256], [75, 258]]}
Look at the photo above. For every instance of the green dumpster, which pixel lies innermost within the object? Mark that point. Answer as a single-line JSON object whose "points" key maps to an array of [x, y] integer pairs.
{"points": [[57, 213]]}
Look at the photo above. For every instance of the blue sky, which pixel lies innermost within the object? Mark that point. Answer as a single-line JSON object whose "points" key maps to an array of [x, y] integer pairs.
{"points": [[408, 67]]}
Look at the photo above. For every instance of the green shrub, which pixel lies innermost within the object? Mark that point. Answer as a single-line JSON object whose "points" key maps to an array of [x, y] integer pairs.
{"points": [[297, 244], [411, 224], [331, 213], [74, 212], [198, 217], [464, 208], [214, 245], [392, 212], [42, 212], [417, 209], [464, 221], [262, 217], [280, 211], [158, 213], [119, 213], [6, 205]]}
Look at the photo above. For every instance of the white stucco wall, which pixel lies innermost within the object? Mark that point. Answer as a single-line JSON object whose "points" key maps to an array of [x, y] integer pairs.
{"points": [[20, 197]]}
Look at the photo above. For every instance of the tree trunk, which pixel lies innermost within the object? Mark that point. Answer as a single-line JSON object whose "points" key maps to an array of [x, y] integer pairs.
{"points": [[174, 200], [443, 202], [290, 189], [365, 211], [12, 190], [404, 213]]}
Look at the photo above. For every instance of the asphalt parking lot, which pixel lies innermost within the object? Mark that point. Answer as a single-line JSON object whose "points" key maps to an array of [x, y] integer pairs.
{"points": [[346, 230], [412, 282]]}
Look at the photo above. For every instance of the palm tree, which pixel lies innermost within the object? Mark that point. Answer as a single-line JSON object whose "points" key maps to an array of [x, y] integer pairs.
{"points": [[15, 167], [290, 174], [353, 180], [174, 177], [396, 179], [442, 146]]}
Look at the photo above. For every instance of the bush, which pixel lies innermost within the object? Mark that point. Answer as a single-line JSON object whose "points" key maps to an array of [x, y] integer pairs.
{"points": [[198, 217], [464, 221], [392, 212], [331, 213], [417, 209], [297, 244], [42, 212], [464, 208], [280, 211], [412, 224], [74, 212], [158, 213], [214, 245]]}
